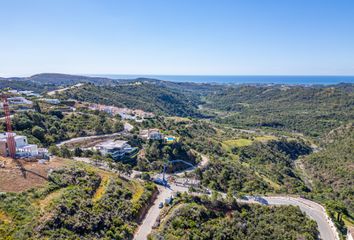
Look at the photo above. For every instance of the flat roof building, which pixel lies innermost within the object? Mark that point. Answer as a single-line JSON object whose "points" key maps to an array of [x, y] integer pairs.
{"points": [[23, 149], [117, 149]]}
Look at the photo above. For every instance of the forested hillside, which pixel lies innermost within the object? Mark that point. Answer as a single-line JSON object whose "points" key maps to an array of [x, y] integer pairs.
{"points": [[332, 169], [53, 126], [26, 85], [139, 95], [262, 167], [57, 79], [310, 110]]}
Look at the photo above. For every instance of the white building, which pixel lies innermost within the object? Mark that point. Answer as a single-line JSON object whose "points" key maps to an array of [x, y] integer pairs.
{"points": [[154, 134], [51, 100], [29, 93], [23, 149], [117, 149], [19, 100]]}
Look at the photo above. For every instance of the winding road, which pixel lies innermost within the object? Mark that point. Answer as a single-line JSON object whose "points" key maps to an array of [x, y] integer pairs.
{"points": [[127, 128], [314, 210]]}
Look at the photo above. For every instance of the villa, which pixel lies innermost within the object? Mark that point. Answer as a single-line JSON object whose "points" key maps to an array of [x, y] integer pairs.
{"points": [[117, 149], [19, 100], [154, 134], [23, 149]]}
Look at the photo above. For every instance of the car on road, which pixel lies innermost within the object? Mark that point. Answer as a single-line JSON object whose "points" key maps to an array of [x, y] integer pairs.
{"points": [[261, 200], [161, 205]]}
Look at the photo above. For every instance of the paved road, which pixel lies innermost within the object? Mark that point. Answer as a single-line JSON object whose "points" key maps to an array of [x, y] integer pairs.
{"points": [[127, 128], [146, 227], [80, 139], [63, 89], [202, 164], [313, 210]]}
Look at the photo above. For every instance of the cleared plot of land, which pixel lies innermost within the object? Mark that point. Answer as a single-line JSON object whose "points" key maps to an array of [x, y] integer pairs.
{"points": [[25, 175], [243, 142]]}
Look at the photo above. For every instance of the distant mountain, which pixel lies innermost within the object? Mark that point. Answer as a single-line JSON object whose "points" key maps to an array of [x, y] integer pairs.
{"points": [[62, 79], [48, 81]]}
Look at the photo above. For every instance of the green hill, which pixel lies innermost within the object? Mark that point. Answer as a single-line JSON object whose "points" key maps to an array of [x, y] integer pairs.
{"points": [[138, 95], [310, 110]]}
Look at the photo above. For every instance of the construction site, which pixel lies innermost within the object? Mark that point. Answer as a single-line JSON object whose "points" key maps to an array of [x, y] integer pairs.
{"points": [[22, 165]]}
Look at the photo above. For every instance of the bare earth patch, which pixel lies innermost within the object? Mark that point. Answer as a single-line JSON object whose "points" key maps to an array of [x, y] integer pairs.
{"points": [[21, 176]]}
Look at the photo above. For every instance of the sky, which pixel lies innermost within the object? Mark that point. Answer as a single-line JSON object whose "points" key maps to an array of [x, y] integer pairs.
{"points": [[177, 37]]}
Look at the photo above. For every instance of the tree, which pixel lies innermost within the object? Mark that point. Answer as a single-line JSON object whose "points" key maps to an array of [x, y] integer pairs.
{"points": [[77, 152], [98, 128], [231, 201], [53, 149], [215, 199], [37, 107], [38, 132], [338, 207], [118, 126], [22, 122], [65, 152], [56, 113], [107, 128]]}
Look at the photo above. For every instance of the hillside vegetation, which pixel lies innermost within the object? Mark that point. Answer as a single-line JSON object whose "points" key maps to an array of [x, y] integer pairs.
{"points": [[332, 169], [50, 127], [79, 202], [262, 167], [310, 110], [196, 219], [139, 95]]}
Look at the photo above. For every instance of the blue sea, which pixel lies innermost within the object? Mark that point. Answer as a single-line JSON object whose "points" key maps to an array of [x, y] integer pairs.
{"points": [[299, 80]]}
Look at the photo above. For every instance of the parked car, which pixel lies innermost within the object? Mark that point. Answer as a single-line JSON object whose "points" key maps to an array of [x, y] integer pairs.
{"points": [[161, 205]]}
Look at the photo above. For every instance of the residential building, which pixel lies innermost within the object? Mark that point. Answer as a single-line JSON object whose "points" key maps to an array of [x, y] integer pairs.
{"points": [[51, 100], [117, 149], [23, 149], [154, 134], [29, 93], [19, 100], [144, 134]]}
